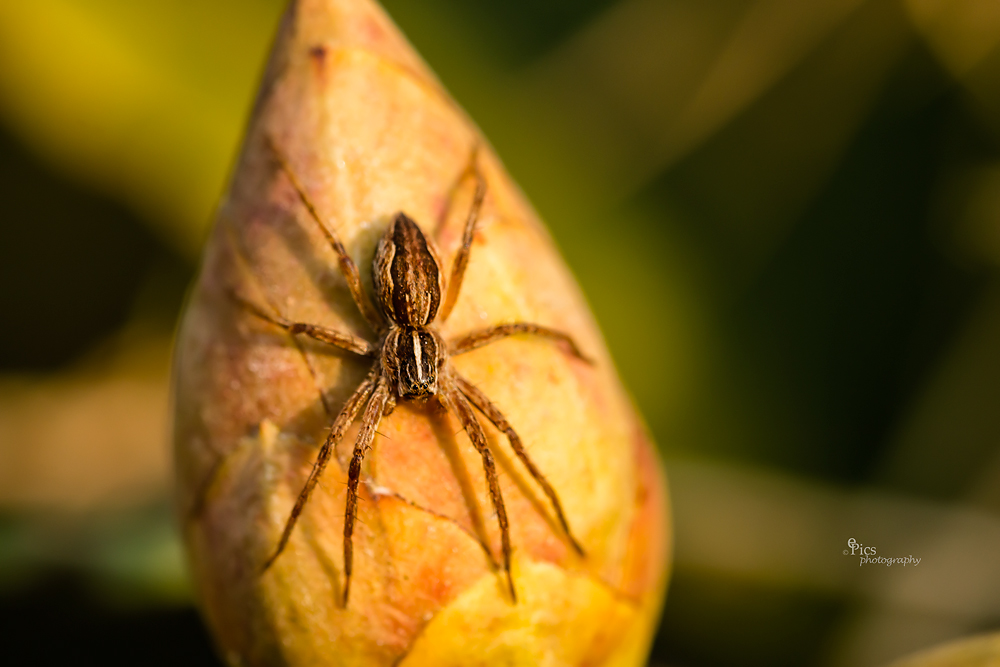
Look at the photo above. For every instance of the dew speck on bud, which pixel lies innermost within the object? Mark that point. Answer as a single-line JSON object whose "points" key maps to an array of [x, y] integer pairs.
{"points": [[399, 438]]}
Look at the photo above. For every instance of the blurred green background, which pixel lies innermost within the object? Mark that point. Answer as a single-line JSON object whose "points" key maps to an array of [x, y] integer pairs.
{"points": [[785, 214]]}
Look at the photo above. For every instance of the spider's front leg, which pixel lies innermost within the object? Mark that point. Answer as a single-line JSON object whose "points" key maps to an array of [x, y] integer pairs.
{"points": [[381, 402], [456, 403], [347, 415]]}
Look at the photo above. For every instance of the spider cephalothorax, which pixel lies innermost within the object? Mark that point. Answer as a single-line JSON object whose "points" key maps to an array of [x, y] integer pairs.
{"points": [[411, 360]]}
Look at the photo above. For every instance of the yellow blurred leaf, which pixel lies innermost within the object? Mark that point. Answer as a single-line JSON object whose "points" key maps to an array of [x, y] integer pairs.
{"points": [[101, 89], [961, 32], [975, 652], [88, 439]]}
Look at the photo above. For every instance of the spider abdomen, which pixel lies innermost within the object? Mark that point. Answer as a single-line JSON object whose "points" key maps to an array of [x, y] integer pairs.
{"points": [[407, 274]]}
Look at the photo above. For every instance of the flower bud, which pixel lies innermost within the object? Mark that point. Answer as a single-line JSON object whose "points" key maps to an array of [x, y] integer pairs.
{"points": [[367, 131]]}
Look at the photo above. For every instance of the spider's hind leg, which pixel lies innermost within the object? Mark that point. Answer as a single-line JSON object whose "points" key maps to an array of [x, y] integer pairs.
{"points": [[347, 266], [461, 260]]}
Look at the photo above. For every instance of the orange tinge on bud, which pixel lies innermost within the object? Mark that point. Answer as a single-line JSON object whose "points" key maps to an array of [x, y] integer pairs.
{"points": [[369, 131]]}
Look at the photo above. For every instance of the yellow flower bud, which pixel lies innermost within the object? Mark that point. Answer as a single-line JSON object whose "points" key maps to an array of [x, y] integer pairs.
{"points": [[367, 131]]}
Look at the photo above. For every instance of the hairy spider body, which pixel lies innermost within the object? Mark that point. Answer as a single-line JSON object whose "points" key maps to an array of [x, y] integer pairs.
{"points": [[409, 283], [411, 360]]}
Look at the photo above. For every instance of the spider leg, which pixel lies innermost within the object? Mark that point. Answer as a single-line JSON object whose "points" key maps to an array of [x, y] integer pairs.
{"points": [[455, 402], [323, 334], [347, 415], [347, 265], [462, 258], [492, 412], [483, 337], [373, 414]]}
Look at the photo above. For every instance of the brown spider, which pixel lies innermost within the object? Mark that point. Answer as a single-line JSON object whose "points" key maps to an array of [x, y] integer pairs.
{"points": [[410, 359]]}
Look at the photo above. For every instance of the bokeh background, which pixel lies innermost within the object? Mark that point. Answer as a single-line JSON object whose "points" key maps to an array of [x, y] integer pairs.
{"points": [[785, 214]]}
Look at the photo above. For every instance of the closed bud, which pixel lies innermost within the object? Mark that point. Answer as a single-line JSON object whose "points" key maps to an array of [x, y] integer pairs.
{"points": [[349, 116]]}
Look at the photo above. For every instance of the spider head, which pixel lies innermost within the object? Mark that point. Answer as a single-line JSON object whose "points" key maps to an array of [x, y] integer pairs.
{"points": [[411, 357]]}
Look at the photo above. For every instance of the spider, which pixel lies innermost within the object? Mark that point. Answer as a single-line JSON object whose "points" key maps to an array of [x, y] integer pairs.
{"points": [[410, 361]]}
